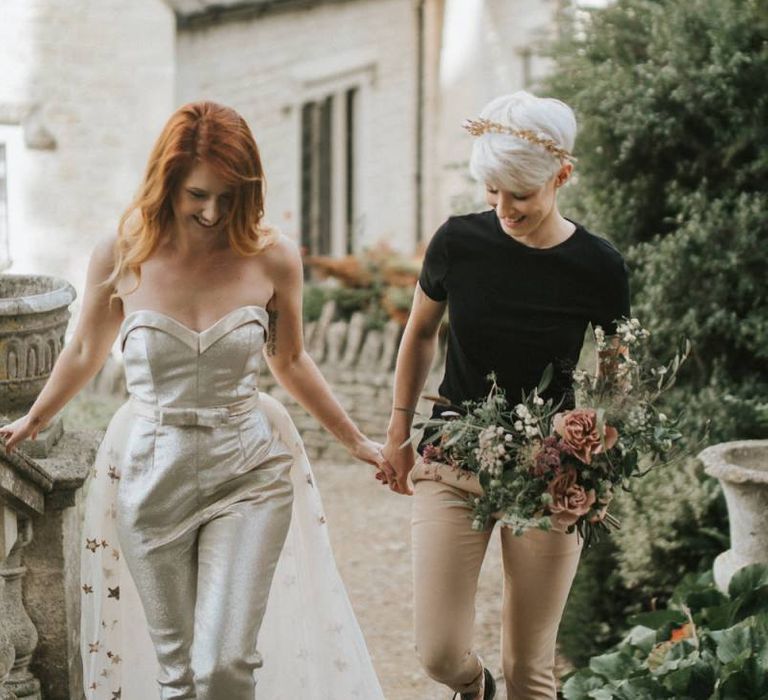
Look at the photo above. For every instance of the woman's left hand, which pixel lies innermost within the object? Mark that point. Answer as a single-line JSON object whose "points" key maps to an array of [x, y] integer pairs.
{"points": [[371, 451]]}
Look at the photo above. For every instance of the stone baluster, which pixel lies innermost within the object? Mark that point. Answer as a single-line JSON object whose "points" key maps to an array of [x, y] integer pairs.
{"points": [[23, 486], [21, 631], [8, 534]]}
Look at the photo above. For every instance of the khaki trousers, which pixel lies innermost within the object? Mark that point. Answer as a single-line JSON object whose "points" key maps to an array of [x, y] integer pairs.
{"points": [[539, 568]]}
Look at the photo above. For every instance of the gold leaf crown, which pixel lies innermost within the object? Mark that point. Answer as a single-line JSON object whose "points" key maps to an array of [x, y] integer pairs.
{"points": [[478, 127]]}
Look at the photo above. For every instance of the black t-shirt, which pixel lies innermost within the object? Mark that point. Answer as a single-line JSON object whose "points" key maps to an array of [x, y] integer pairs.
{"points": [[513, 309]]}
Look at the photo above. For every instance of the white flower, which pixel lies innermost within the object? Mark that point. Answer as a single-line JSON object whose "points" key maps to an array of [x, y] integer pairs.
{"points": [[508, 437], [522, 410], [519, 426], [538, 400], [599, 338], [662, 418], [531, 431]]}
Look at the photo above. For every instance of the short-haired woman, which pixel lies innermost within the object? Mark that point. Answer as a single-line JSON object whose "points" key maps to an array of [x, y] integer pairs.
{"points": [[521, 282]]}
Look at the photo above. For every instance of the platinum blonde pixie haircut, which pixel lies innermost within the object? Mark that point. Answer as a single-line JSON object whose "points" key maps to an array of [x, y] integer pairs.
{"points": [[522, 161]]}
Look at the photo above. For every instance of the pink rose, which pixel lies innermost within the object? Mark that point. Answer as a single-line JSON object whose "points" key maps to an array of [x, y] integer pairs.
{"points": [[579, 433], [569, 499]]}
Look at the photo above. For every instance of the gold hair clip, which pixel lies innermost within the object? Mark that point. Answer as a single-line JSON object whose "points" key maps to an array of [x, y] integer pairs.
{"points": [[478, 127]]}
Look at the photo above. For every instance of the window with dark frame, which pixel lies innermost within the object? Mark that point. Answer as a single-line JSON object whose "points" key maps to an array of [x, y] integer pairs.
{"points": [[350, 124], [320, 181]]}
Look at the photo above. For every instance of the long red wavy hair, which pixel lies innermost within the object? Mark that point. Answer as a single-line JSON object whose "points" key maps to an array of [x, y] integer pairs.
{"points": [[197, 132]]}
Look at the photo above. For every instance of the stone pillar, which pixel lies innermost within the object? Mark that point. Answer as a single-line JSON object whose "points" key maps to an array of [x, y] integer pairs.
{"points": [[22, 496], [40, 575], [52, 585], [21, 631], [8, 533]]}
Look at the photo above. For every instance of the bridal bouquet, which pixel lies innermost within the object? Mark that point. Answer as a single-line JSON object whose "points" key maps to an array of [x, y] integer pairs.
{"points": [[540, 466]]}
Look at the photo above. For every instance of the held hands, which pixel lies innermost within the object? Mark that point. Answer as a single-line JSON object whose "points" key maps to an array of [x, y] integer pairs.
{"points": [[21, 429], [398, 460], [395, 475], [370, 451]]}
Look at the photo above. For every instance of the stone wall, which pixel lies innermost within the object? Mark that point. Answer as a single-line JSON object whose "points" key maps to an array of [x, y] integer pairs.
{"points": [[98, 78]]}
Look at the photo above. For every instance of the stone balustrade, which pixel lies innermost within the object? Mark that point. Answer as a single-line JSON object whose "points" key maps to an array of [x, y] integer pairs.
{"points": [[40, 570]]}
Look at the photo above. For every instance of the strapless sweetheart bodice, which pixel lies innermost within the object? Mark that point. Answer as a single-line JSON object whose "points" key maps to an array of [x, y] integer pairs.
{"points": [[168, 364]]}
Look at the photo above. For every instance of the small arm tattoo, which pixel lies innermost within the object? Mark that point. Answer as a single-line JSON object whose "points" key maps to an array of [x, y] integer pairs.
{"points": [[272, 333]]}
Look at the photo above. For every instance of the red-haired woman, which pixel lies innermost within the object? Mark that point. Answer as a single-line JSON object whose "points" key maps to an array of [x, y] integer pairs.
{"points": [[197, 473]]}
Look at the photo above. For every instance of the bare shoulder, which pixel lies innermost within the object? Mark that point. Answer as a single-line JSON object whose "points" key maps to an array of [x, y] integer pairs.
{"points": [[282, 257], [103, 256]]}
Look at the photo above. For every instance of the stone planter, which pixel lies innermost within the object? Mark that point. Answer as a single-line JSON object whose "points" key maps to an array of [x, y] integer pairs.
{"points": [[34, 311], [742, 469]]}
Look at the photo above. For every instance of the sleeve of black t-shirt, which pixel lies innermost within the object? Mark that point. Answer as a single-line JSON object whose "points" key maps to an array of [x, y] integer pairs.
{"points": [[435, 267], [616, 295]]}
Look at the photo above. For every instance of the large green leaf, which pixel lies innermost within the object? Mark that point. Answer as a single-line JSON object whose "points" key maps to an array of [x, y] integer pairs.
{"points": [[617, 665], [643, 688], [749, 682], [718, 617], [753, 602], [734, 643], [695, 679], [658, 618], [748, 579], [641, 637], [579, 685]]}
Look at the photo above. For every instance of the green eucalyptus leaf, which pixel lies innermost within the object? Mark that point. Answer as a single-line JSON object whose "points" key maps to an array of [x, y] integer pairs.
{"points": [[546, 379], [588, 357]]}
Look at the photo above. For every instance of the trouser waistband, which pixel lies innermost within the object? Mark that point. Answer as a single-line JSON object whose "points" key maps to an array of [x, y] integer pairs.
{"points": [[205, 416]]}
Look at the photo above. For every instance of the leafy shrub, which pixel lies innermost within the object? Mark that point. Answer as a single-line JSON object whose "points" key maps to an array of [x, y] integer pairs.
{"points": [[672, 523], [704, 646], [673, 161]]}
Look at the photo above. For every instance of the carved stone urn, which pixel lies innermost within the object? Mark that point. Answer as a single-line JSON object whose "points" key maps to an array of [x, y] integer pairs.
{"points": [[34, 311], [742, 469]]}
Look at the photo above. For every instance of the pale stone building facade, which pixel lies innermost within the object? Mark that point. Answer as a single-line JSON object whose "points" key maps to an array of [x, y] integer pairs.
{"points": [[356, 105], [85, 87]]}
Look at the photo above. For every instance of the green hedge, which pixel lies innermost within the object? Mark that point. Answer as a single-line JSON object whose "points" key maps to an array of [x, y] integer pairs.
{"points": [[673, 166]]}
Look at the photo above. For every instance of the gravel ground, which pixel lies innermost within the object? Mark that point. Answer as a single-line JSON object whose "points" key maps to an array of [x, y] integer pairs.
{"points": [[370, 531]]}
